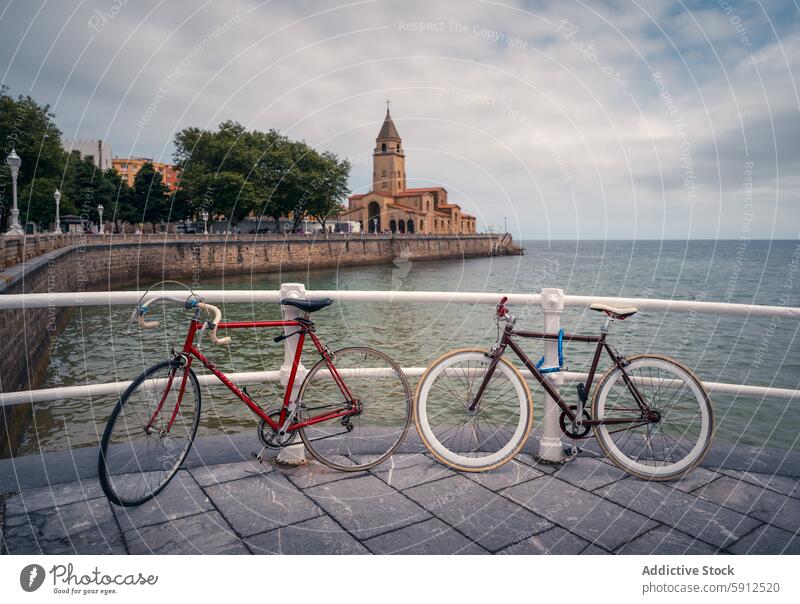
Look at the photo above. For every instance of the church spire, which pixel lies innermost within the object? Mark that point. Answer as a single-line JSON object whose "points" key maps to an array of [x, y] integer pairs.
{"points": [[388, 130]]}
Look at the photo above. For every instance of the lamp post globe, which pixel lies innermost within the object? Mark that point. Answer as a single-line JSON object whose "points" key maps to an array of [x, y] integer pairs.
{"points": [[57, 227], [100, 229], [204, 216], [14, 162]]}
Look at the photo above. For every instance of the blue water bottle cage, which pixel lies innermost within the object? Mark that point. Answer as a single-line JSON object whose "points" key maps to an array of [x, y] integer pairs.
{"points": [[560, 356]]}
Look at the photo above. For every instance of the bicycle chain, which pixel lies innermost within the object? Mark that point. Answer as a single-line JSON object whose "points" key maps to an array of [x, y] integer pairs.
{"points": [[291, 441]]}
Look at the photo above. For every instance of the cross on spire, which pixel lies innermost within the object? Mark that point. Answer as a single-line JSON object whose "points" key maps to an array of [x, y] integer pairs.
{"points": [[387, 105]]}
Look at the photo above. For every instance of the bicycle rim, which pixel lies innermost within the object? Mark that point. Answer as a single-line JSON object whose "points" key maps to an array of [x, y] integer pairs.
{"points": [[662, 450], [476, 440], [135, 464], [373, 435]]}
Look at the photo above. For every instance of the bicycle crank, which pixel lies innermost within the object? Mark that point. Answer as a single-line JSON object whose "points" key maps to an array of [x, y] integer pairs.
{"points": [[272, 439], [572, 430]]}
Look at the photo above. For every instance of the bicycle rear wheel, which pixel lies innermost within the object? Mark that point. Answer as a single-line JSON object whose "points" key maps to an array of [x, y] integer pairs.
{"points": [[138, 457], [356, 442], [479, 440], [654, 450]]}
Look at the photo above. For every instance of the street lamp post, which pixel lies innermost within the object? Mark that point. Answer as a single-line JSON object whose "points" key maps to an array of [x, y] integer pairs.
{"points": [[101, 230], [375, 225], [204, 215], [57, 228], [14, 162]]}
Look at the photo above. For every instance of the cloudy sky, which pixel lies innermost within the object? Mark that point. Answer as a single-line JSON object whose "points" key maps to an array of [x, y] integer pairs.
{"points": [[574, 120]]}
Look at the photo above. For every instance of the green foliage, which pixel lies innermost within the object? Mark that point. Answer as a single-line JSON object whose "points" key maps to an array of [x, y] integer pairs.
{"points": [[150, 196], [29, 128], [231, 171], [235, 172]]}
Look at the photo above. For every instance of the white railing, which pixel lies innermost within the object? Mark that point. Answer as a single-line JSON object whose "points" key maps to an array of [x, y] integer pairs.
{"points": [[551, 302]]}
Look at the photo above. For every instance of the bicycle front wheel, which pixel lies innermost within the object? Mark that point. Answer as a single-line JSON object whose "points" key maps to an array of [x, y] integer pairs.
{"points": [[481, 439], [672, 445], [140, 453], [359, 441]]}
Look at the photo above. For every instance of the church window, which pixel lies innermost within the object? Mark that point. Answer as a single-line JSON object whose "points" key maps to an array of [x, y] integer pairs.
{"points": [[383, 147]]}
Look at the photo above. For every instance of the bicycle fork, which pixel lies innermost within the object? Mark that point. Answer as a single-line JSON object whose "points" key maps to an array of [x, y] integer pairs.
{"points": [[495, 353]]}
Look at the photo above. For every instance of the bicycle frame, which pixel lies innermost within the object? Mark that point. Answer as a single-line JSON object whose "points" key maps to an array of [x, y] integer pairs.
{"points": [[305, 327], [507, 341]]}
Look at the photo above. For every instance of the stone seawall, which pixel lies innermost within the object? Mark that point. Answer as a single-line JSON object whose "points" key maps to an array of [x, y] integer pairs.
{"points": [[93, 263]]}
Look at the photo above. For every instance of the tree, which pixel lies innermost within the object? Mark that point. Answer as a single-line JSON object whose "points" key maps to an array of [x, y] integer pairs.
{"points": [[149, 197], [29, 128], [330, 189], [236, 172]]}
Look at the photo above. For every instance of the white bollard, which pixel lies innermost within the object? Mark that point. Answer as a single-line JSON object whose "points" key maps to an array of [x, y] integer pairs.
{"points": [[550, 446], [293, 455]]}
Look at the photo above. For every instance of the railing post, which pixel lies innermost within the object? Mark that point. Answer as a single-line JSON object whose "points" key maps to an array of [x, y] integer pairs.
{"points": [[550, 446], [293, 455]]}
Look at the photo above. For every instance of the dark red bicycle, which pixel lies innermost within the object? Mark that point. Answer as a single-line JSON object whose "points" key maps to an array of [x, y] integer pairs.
{"points": [[650, 414], [352, 410]]}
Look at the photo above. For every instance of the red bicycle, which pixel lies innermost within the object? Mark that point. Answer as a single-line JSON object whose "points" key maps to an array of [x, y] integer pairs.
{"points": [[349, 419]]}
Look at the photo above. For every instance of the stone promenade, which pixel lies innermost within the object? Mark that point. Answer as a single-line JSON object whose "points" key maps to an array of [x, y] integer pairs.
{"points": [[414, 505]]}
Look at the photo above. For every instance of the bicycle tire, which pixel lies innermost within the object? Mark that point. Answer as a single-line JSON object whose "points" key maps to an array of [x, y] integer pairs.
{"points": [[455, 459], [382, 426], [111, 479], [702, 419]]}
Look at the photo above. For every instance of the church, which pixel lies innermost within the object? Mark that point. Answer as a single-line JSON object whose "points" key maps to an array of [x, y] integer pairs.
{"points": [[390, 206]]}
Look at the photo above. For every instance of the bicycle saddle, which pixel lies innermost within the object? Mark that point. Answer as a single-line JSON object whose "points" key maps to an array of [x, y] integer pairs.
{"points": [[308, 304], [615, 312]]}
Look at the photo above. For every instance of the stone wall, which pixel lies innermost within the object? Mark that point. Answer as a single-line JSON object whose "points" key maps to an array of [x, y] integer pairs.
{"points": [[48, 263]]}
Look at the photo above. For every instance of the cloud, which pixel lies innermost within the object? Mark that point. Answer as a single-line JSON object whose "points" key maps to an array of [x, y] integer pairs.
{"points": [[547, 113]]}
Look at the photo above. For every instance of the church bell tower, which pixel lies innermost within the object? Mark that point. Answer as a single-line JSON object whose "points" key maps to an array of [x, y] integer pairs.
{"points": [[388, 160]]}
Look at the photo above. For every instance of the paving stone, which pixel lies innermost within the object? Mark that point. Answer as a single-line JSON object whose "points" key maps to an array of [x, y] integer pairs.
{"points": [[665, 540], [594, 550], [708, 521], [506, 475], [315, 473], [544, 468], [181, 497], [430, 537], [208, 475], [589, 473], [483, 516], [62, 521], [758, 502], [599, 521], [405, 471], [316, 536], [785, 485], [33, 500], [261, 503], [695, 479], [366, 506], [767, 540], [554, 541], [96, 540], [205, 533]]}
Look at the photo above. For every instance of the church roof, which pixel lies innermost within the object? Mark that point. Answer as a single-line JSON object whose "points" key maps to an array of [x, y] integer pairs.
{"points": [[388, 130]]}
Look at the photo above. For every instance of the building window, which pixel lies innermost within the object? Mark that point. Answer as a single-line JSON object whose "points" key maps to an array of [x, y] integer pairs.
{"points": [[383, 147], [421, 226], [392, 226], [402, 226]]}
